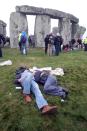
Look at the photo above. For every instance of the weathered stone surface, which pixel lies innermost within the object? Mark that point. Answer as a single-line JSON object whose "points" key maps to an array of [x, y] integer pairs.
{"points": [[18, 23], [67, 27], [31, 10], [74, 27], [2, 28], [42, 28], [80, 31], [55, 30]]}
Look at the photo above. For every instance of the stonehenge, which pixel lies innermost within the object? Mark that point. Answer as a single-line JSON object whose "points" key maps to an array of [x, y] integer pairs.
{"points": [[68, 25]]}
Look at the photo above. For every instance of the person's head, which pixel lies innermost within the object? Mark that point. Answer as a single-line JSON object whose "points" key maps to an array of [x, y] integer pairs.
{"points": [[23, 68]]}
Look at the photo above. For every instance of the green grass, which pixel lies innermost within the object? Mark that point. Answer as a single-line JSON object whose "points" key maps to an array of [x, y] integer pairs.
{"points": [[15, 115]]}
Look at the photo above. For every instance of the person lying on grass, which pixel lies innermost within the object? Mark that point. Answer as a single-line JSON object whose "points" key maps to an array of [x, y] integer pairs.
{"points": [[26, 79], [50, 84]]}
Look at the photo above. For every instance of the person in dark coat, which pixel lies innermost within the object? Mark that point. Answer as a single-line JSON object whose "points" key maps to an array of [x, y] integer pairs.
{"points": [[2, 39], [46, 43], [80, 43], [51, 86], [72, 43], [57, 43]]}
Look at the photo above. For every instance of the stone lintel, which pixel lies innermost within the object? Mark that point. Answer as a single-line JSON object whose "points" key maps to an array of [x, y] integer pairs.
{"points": [[31, 10]]}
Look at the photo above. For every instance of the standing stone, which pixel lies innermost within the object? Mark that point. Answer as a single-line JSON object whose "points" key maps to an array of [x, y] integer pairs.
{"points": [[68, 24], [79, 31], [74, 28], [18, 23], [42, 28], [66, 30], [60, 25]]}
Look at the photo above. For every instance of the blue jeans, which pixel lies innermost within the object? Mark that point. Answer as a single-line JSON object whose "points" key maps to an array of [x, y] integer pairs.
{"points": [[52, 88], [30, 85], [23, 49]]}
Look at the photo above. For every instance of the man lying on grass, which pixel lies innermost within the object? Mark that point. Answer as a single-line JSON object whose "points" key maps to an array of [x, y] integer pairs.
{"points": [[27, 81], [50, 84]]}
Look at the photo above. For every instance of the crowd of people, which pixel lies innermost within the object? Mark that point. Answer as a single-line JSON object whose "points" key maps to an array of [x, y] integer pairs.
{"points": [[53, 44]]}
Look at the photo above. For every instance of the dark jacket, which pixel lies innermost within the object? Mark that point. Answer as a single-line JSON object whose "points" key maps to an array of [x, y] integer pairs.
{"points": [[41, 77], [18, 73], [50, 84]]}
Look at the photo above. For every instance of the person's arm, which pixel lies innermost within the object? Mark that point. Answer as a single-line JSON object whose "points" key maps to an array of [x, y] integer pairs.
{"points": [[24, 75]]}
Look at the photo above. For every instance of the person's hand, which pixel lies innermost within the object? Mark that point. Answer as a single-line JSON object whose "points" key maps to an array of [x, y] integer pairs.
{"points": [[19, 80]]}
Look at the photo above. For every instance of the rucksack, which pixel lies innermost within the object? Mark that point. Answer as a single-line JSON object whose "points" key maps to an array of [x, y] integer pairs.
{"points": [[23, 37]]}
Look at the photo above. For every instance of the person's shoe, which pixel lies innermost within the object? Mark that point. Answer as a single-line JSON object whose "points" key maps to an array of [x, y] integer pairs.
{"points": [[49, 109], [27, 98]]}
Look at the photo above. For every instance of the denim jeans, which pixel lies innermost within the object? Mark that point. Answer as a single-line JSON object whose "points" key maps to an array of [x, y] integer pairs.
{"points": [[52, 88], [30, 85], [23, 49]]}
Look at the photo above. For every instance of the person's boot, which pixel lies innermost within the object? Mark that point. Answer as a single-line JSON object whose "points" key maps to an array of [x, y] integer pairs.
{"points": [[49, 109], [27, 98]]}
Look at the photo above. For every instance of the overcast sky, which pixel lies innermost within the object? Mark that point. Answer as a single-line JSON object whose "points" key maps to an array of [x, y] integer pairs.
{"points": [[76, 7]]}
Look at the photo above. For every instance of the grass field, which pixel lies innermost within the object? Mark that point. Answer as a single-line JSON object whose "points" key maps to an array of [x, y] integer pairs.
{"points": [[16, 115]]}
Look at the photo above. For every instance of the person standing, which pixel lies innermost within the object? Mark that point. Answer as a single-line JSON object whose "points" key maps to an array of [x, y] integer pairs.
{"points": [[23, 42], [79, 41], [46, 43], [50, 44], [85, 44], [57, 43], [2, 40], [19, 41]]}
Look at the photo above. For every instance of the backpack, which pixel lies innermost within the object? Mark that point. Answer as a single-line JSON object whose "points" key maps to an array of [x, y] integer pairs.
{"points": [[23, 37]]}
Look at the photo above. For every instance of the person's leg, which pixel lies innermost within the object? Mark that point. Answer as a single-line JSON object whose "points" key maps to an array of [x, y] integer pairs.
{"points": [[40, 100], [0, 52], [48, 50], [51, 87], [26, 84], [51, 80], [57, 50], [85, 47], [24, 49], [19, 45], [46, 47]]}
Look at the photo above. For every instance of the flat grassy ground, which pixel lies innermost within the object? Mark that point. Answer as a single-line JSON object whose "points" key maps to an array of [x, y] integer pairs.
{"points": [[16, 115]]}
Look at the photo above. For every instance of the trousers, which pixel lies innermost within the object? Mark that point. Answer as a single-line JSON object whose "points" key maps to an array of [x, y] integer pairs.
{"points": [[30, 85], [52, 88]]}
